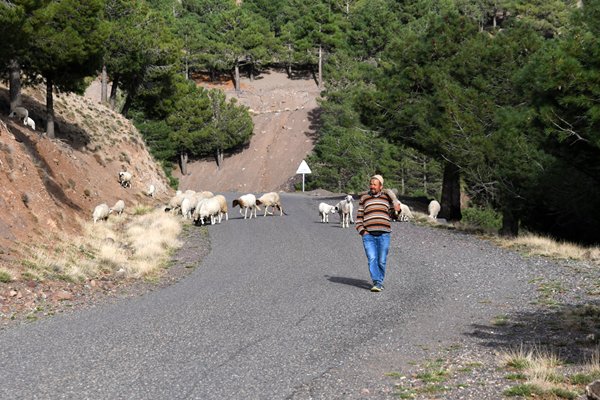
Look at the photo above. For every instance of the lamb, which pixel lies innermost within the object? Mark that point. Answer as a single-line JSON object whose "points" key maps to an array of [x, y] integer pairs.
{"points": [[125, 178], [209, 208], [223, 203], [434, 209], [151, 191], [101, 212], [19, 112], [247, 201], [29, 122], [405, 213], [345, 209], [118, 207], [326, 209], [270, 199]]}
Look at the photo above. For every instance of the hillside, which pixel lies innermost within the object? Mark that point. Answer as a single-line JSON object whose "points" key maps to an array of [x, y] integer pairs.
{"points": [[50, 186], [285, 114]]}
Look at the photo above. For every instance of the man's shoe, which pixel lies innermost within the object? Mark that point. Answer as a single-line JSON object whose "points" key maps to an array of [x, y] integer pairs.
{"points": [[377, 288]]}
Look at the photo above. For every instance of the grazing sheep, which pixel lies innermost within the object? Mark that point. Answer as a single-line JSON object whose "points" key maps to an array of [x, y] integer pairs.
{"points": [[186, 208], [119, 207], [151, 191], [29, 122], [209, 208], [101, 212], [175, 203], [270, 199], [345, 209], [125, 178], [247, 201], [434, 209], [19, 112], [326, 209], [405, 213], [223, 203]]}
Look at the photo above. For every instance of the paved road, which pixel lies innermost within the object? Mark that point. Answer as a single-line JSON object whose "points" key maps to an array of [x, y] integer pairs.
{"points": [[279, 309]]}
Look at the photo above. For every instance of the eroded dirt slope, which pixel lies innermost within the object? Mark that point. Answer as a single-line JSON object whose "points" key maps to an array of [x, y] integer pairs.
{"points": [[285, 114], [49, 186]]}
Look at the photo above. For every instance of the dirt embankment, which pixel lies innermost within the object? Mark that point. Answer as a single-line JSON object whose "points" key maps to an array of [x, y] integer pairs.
{"points": [[49, 186], [285, 115]]}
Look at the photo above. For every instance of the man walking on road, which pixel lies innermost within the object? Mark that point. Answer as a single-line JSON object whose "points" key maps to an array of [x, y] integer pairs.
{"points": [[373, 223]]}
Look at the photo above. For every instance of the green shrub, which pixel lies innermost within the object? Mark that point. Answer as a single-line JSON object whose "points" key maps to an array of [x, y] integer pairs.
{"points": [[485, 218], [5, 276]]}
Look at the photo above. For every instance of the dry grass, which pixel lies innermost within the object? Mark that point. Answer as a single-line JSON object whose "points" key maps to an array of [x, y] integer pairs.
{"points": [[542, 371], [548, 247], [125, 246]]}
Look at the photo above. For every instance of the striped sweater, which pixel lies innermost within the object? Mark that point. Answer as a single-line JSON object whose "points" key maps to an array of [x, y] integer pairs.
{"points": [[373, 213]]}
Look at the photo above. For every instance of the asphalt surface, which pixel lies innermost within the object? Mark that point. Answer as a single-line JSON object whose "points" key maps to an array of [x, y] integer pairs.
{"points": [[279, 309]]}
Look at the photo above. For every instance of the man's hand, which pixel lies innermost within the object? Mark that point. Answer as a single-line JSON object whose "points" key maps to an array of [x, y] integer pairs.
{"points": [[397, 207]]}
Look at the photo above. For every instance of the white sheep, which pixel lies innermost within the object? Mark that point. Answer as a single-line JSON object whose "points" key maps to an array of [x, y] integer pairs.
{"points": [[29, 122], [405, 213], [346, 209], [19, 112], [119, 207], [101, 212], [209, 208], [434, 209], [175, 203], [151, 191], [186, 208], [125, 178], [223, 203], [247, 201], [270, 199], [326, 209]]}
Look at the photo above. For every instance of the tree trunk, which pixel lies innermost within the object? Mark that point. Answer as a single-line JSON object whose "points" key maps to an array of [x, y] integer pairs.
{"points": [[49, 109], [320, 67], [183, 162], [425, 176], [127, 105], [289, 71], [113, 92], [237, 77], [219, 158], [104, 86], [15, 84], [451, 193], [510, 223]]}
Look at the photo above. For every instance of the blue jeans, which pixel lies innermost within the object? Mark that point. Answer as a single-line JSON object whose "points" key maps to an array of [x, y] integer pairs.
{"points": [[376, 249]]}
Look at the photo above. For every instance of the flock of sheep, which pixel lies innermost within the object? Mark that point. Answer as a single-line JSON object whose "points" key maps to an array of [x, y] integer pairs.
{"points": [[345, 210], [205, 207]]}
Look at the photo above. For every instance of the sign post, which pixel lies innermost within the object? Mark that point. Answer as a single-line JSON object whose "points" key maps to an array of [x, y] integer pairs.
{"points": [[303, 169]]}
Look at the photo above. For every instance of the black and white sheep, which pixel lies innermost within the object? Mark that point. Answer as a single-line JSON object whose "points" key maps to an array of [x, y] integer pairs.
{"points": [[324, 211], [246, 202], [125, 179]]}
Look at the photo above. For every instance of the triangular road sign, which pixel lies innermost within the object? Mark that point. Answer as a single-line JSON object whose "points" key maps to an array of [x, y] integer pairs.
{"points": [[303, 168]]}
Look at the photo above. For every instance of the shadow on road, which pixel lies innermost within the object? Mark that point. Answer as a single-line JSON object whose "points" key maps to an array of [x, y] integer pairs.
{"points": [[572, 331], [359, 283]]}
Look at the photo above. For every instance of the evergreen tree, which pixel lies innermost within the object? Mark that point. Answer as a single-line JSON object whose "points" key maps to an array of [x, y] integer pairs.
{"points": [[65, 46]]}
